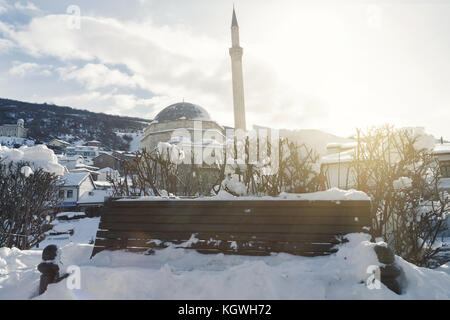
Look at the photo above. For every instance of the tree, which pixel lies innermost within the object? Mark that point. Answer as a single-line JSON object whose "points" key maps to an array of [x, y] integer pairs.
{"points": [[399, 172], [27, 203]]}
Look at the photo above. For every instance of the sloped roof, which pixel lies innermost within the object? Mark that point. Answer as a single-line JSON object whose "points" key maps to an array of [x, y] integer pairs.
{"points": [[74, 178]]}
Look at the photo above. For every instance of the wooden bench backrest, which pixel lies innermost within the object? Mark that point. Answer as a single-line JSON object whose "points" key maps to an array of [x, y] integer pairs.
{"points": [[247, 227]]}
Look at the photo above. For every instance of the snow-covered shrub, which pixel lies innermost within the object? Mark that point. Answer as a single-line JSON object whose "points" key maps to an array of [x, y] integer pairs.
{"points": [[27, 200], [286, 167], [401, 175]]}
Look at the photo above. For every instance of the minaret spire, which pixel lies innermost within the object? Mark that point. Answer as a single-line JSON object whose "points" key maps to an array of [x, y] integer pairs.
{"points": [[236, 53], [234, 19]]}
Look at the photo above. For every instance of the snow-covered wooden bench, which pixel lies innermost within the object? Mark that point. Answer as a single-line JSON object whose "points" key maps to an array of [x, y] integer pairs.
{"points": [[247, 227]]}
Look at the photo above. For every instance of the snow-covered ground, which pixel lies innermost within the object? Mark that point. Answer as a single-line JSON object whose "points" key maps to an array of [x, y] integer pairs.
{"points": [[11, 141], [174, 273], [83, 231]]}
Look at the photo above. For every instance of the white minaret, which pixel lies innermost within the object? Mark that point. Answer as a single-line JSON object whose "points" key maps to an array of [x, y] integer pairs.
{"points": [[238, 82]]}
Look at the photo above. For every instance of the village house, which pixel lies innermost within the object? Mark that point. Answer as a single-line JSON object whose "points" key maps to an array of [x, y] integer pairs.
{"points": [[85, 151], [94, 143], [107, 160], [442, 153], [70, 162], [337, 166], [58, 144], [73, 186]]}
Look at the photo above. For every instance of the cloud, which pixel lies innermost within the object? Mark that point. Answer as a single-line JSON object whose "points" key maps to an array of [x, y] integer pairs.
{"points": [[28, 6], [119, 63], [23, 69], [95, 76], [165, 61], [5, 45], [108, 102], [4, 6]]}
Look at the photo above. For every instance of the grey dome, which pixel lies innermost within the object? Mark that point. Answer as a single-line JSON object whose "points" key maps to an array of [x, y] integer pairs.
{"points": [[182, 110]]}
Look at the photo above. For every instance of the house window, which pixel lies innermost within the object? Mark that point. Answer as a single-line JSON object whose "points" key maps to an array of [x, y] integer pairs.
{"points": [[61, 194], [69, 193]]}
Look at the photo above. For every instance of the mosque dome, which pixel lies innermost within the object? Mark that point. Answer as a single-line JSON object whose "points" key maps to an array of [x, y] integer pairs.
{"points": [[182, 111]]}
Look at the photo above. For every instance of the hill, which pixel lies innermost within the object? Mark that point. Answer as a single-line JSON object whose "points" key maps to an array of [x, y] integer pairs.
{"points": [[45, 122]]}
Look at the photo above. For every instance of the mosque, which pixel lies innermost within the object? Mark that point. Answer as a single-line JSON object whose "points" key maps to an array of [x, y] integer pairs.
{"points": [[185, 117]]}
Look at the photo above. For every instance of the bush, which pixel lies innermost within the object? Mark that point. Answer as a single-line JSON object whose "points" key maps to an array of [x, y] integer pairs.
{"points": [[27, 203], [397, 169]]}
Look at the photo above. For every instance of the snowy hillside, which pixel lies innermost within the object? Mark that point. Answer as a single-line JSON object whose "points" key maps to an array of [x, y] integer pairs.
{"points": [[133, 139], [45, 122]]}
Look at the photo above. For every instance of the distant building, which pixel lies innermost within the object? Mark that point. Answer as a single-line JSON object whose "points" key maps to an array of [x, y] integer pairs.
{"points": [[58, 144], [442, 153], [94, 143], [338, 166], [85, 151], [86, 168], [179, 122], [14, 130], [107, 160], [70, 162], [105, 173]]}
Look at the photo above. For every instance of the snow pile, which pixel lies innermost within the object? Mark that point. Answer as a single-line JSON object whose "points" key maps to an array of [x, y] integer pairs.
{"points": [[11, 141], [333, 194], [402, 183], [185, 274], [423, 141], [170, 152], [39, 156], [26, 171], [233, 185], [82, 231], [70, 215]]}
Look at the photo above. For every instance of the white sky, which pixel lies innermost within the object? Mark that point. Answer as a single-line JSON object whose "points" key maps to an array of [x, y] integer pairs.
{"points": [[331, 65]]}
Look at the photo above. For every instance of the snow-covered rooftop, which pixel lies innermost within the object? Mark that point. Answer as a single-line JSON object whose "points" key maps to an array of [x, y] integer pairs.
{"points": [[442, 148], [340, 157], [74, 178]]}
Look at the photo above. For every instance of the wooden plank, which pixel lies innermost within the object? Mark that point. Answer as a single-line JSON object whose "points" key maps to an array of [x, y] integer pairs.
{"points": [[217, 251], [232, 228], [183, 219], [282, 211], [222, 245], [184, 236]]}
